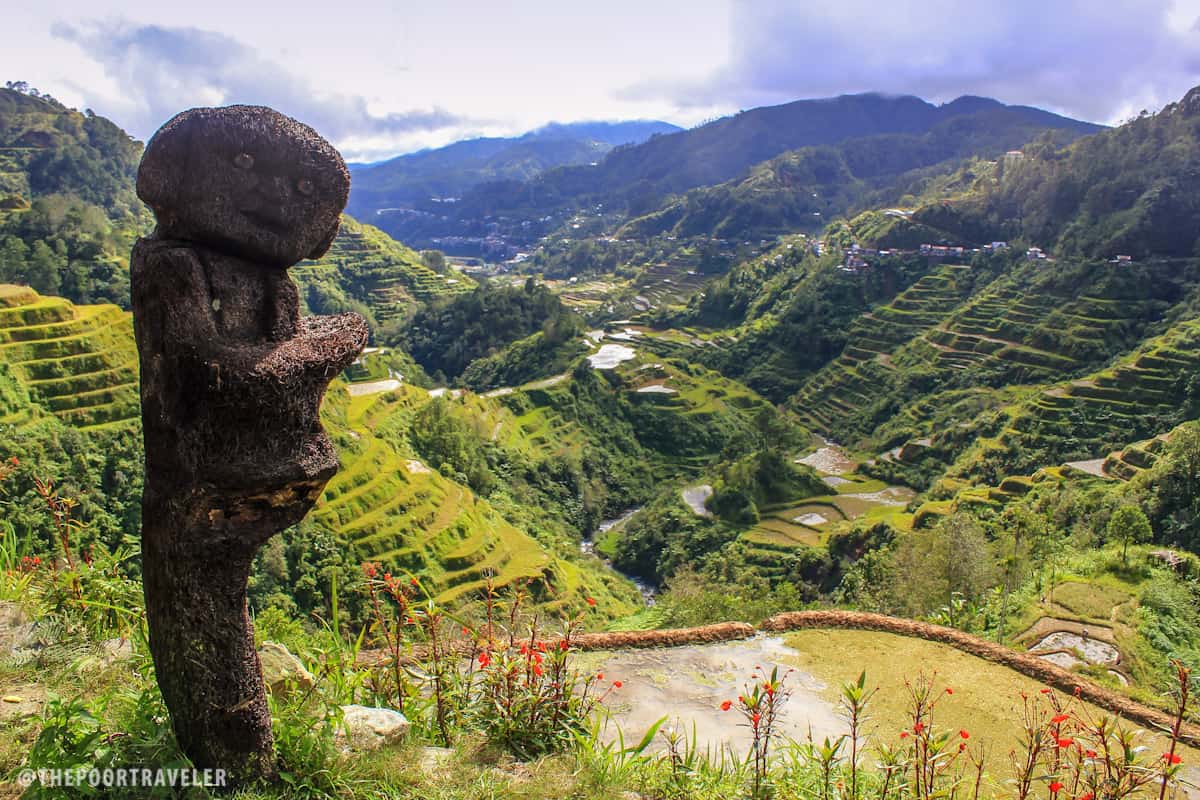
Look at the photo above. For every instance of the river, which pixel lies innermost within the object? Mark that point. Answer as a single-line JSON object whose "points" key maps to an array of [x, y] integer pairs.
{"points": [[587, 545]]}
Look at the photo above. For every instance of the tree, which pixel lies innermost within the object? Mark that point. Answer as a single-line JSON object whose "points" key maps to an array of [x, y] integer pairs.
{"points": [[13, 256], [931, 568], [434, 259], [43, 271], [1129, 525]]}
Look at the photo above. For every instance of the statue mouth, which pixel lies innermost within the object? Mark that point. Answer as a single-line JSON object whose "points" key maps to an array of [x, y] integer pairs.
{"points": [[271, 222]]}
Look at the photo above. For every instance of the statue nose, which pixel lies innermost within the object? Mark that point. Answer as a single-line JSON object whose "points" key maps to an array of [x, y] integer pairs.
{"points": [[280, 189]]}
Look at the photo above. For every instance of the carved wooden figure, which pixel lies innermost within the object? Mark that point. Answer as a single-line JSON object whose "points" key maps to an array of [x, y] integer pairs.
{"points": [[232, 381]]}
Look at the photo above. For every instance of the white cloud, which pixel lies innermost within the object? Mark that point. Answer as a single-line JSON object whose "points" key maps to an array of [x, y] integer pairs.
{"points": [[160, 71], [1092, 60]]}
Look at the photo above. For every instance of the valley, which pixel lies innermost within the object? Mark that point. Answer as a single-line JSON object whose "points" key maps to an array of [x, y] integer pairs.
{"points": [[864, 354]]}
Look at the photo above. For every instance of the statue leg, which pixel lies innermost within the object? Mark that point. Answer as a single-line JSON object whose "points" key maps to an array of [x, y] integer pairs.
{"points": [[201, 637]]}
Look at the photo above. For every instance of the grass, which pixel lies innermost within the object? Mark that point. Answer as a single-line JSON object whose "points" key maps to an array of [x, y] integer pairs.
{"points": [[986, 700], [1090, 600], [77, 362], [366, 265], [403, 514]]}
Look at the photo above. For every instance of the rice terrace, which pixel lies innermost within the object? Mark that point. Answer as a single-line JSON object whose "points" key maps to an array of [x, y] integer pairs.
{"points": [[804, 405]]}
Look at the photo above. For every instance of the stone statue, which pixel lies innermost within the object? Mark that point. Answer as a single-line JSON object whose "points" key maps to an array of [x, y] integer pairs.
{"points": [[232, 380]]}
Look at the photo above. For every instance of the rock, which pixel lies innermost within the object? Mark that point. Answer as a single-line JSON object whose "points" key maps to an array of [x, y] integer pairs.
{"points": [[16, 629], [282, 671], [366, 728], [114, 650]]}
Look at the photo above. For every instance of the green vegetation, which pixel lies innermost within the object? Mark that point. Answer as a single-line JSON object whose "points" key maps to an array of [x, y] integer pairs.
{"points": [[447, 337], [68, 212], [368, 272], [1126, 190], [834, 146], [80, 363]]}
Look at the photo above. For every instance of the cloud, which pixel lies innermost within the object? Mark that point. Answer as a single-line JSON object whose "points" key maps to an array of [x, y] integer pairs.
{"points": [[160, 71], [1094, 60]]}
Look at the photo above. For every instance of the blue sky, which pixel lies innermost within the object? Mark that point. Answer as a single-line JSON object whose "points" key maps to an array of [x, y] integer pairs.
{"points": [[380, 78]]}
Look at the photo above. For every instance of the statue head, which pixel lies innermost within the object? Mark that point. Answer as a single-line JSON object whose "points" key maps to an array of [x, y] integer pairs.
{"points": [[245, 180]]}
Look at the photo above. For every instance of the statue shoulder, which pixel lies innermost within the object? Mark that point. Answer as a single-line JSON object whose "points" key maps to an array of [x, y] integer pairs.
{"points": [[156, 259]]}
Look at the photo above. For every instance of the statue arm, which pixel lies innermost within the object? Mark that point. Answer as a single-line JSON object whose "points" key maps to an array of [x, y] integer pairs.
{"points": [[321, 346]]}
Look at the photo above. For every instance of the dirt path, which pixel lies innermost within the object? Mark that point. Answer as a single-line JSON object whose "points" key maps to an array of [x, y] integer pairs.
{"points": [[373, 387]]}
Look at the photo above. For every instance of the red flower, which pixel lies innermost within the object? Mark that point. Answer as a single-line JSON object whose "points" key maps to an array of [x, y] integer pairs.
{"points": [[387, 576], [37, 560], [1172, 758], [726, 705], [563, 645], [1088, 796], [1066, 742], [1046, 690], [537, 670], [466, 631], [1056, 787], [413, 581], [617, 684], [599, 676], [962, 746], [903, 734], [370, 570], [591, 601], [14, 461], [949, 690], [1090, 754], [756, 718], [1060, 719], [484, 660], [920, 726], [964, 734]]}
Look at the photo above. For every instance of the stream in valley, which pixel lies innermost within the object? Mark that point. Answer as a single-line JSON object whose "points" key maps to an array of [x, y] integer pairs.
{"points": [[587, 545]]}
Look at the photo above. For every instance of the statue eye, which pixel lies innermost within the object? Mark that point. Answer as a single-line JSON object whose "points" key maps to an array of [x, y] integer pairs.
{"points": [[304, 186], [243, 161]]}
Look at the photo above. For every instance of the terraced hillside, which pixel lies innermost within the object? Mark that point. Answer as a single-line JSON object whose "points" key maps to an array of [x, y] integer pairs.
{"points": [[784, 528], [1044, 321], [1143, 395], [682, 415], [394, 510], [76, 362], [368, 267], [949, 358], [859, 380]]}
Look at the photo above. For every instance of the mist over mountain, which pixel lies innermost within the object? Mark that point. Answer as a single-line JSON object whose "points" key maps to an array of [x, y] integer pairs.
{"points": [[451, 170]]}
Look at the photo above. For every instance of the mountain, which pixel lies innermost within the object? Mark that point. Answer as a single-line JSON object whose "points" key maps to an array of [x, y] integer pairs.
{"points": [[725, 148], [451, 170], [985, 365], [1131, 190], [803, 189], [634, 181], [68, 211]]}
